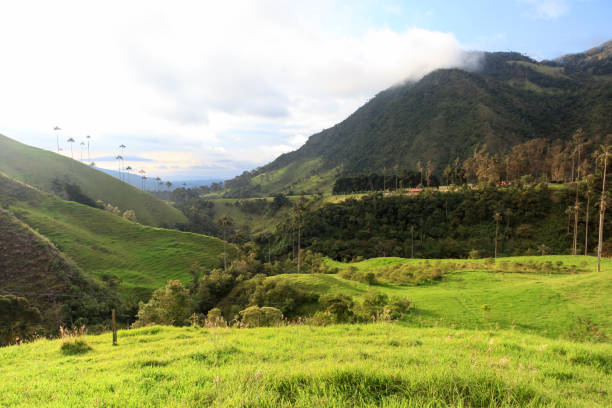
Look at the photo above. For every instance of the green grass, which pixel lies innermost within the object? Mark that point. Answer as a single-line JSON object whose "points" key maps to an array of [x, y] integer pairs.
{"points": [[100, 243], [38, 168], [381, 364], [571, 306]]}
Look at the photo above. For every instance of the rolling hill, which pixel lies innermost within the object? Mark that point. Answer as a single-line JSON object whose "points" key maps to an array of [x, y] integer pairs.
{"points": [[104, 245], [32, 267], [40, 168], [447, 114]]}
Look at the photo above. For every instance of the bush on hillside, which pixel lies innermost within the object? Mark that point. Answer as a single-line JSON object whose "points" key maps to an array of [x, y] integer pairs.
{"points": [[282, 295], [338, 307], [130, 215], [255, 316], [170, 305], [18, 318]]}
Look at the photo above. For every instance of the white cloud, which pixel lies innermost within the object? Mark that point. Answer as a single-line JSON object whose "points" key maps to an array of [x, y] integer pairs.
{"points": [[546, 9], [194, 76]]}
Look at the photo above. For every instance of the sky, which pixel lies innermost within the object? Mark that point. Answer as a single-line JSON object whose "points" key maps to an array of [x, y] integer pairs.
{"points": [[208, 89]]}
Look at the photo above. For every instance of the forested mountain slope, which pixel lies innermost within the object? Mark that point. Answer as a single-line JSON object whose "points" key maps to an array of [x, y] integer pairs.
{"points": [[448, 114], [48, 171]]}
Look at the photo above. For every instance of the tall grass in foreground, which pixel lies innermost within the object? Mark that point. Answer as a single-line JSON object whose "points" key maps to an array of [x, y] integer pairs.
{"points": [[379, 364]]}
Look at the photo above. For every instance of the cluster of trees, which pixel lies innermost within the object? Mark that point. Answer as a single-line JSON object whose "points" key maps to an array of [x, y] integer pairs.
{"points": [[234, 288], [377, 182], [510, 221], [542, 160]]}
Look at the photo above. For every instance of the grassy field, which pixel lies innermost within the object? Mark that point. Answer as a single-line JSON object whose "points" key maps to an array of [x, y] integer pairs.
{"points": [[382, 364], [100, 243], [38, 168], [554, 305]]}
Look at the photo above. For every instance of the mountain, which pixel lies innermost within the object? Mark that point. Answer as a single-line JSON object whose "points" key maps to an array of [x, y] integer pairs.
{"points": [[448, 114], [48, 171]]}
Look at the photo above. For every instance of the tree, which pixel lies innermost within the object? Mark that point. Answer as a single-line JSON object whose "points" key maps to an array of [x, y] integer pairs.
{"points": [[82, 145], [128, 169], [429, 169], [298, 211], [130, 215], [168, 184], [142, 175], [71, 141], [420, 170], [169, 305], [119, 159], [447, 172], [225, 222], [603, 156], [497, 217], [255, 316], [57, 132], [589, 191], [17, 317], [576, 210], [88, 155]]}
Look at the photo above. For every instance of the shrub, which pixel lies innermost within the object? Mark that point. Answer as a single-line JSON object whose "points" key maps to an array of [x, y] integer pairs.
{"points": [[398, 307], [215, 318], [281, 295], [474, 254], [130, 215], [255, 316], [321, 318], [71, 347], [373, 304], [338, 307]]}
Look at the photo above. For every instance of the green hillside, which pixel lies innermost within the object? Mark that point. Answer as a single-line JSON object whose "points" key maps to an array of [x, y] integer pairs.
{"points": [[446, 115], [101, 243], [384, 365], [31, 266], [549, 304], [39, 168]]}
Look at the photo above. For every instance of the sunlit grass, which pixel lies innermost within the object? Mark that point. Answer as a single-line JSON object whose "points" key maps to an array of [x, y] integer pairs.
{"points": [[381, 364]]}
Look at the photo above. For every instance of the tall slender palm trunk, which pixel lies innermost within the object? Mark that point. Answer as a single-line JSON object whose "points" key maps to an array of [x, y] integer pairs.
{"points": [[602, 210], [586, 225]]}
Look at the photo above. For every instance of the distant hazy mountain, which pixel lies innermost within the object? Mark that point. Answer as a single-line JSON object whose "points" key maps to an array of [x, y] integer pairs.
{"points": [[447, 114], [135, 180]]}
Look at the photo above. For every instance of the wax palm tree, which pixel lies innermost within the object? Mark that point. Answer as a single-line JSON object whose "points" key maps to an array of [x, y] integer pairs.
{"points": [[225, 222], [71, 141], [88, 155], [168, 184], [122, 147], [604, 152], [82, 145], [298, 211], [119, 159], [142, 175], [127, 169], [57, 132], [497, 217]]}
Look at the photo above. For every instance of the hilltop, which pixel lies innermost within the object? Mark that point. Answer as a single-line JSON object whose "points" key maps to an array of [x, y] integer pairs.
{"points": [[447, 115], [44, 170]]}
